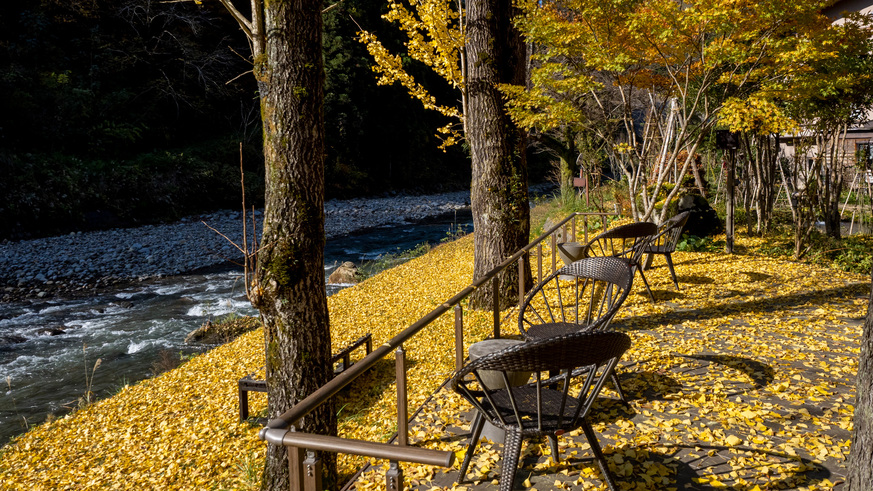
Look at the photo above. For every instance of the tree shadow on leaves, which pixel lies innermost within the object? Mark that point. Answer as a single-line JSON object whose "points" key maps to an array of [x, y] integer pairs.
{"points": [[755, 276], [665, 295], [679, 469], [648, 385], [647, 321], [695, 280], [760, 373], [702, 467]]}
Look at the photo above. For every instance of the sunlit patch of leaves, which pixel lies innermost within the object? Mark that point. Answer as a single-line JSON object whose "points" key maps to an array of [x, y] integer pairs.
{"points": [[745, 377]]}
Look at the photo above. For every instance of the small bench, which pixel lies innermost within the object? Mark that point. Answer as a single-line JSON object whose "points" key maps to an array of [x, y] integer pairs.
{"points": [[250, 384]]}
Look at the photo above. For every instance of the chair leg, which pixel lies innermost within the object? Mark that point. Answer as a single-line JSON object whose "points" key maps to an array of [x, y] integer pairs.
{"points": [[598, 454], [672, 272], [511, 451], [618, 387], [553, 444], [646, 282], [478, 424]]}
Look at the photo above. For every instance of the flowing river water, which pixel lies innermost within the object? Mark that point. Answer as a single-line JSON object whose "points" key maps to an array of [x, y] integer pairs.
{"points": [[131, 328]]}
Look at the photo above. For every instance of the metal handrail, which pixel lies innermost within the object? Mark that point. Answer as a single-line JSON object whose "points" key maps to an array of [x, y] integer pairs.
{"points": [[280, 431]]}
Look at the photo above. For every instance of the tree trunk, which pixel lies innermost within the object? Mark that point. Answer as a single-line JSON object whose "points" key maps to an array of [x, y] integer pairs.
{"points": [[860, 465], [499, 196], [567, 164], [730, 187], [289, 290], [565, 149]]}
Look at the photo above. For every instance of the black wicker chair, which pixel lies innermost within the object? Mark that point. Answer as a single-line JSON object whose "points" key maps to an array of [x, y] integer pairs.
{"points": [[628, 242], [665, 242], [548, 406], [582, 296]]}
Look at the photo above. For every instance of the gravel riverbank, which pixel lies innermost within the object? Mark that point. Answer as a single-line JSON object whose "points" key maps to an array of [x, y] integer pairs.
{"points": [[81, 262]]}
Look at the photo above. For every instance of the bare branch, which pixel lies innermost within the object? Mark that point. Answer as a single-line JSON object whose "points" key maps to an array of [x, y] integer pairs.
{"points": [[244, 23]]}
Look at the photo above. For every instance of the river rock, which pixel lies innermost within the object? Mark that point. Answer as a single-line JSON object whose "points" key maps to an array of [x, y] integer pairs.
{"points": [[346, 273], [50, 331]]}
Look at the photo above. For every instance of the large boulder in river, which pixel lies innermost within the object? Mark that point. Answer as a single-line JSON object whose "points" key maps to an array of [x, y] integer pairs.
{"points": [[703, 220], [345, 274]]}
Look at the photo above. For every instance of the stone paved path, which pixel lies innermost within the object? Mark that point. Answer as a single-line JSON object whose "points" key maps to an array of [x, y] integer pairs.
{"points": [[754, 391]]}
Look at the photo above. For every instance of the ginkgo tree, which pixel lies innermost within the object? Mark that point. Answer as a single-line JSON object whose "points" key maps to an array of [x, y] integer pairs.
{"points": [[657, 73], [435, 31], [473, 47]]}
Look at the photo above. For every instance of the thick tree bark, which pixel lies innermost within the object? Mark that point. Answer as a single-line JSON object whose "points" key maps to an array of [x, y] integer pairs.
{"points": [[860, 465], [499, 195], [289, 290]]}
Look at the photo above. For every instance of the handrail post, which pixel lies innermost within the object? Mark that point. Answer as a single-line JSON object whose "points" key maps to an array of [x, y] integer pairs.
{"points": [[312, 472], [521, 291], [295, 468], [554, 253], [394, 477], [575, 235], [539, 263], [402, 412], [459, 337], [495, 296], [243, 403], [586, 228]]}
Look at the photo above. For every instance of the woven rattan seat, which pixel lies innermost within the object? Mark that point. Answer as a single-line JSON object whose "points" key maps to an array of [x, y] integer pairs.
{"points": [[665, 242], [627, 242], [547, 406]]}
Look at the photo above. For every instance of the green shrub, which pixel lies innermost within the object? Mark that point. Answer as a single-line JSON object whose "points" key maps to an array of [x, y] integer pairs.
{"points": [[693, 243]]}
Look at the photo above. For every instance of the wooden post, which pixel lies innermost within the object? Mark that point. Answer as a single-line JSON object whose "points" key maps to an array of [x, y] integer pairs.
{"points": [[459, 337], [402, 412], [575, 235], [312, 472], [554, 254], [295, 467], [394, 477]]}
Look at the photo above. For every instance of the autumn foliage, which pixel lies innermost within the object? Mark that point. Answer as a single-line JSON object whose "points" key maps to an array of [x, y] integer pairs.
{"points": [[786, 334]]}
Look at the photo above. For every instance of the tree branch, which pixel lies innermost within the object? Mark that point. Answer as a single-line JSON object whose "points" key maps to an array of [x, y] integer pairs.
{"points": [[244, 23]]}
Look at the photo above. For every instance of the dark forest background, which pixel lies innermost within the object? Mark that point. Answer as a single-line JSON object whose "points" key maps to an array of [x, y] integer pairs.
{"points": [[118, 113]]}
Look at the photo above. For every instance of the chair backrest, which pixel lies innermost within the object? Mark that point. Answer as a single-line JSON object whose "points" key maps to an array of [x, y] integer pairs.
{"points": [[584, 295], [628, 241], [536, 406], [669, 232]]}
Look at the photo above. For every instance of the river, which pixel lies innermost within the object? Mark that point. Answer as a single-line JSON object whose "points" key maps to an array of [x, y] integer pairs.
{"points": [[129, 329]]}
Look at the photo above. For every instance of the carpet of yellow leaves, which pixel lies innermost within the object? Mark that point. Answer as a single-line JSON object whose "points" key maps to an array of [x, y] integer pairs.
{"points": [[746, 377]]}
